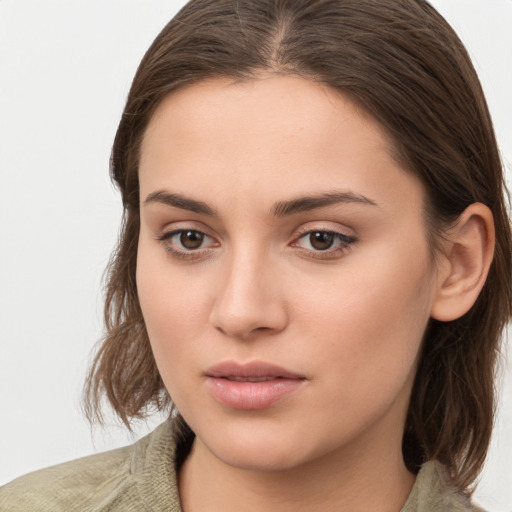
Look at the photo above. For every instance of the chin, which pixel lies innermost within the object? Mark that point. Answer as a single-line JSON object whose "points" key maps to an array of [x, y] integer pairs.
{"points": [[258, 458], [260, 449]]}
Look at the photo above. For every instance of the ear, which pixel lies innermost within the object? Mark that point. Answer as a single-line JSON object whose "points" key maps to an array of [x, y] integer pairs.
{"points": [[466, 259]]}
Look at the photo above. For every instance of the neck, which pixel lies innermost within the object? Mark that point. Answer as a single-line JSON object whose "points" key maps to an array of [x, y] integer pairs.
{"points": [[362, 480]]}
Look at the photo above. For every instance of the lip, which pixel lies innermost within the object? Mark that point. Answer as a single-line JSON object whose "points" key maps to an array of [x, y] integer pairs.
{"points": [[251, 386]]}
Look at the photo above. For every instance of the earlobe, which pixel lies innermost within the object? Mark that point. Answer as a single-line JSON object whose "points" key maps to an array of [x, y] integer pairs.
{"points": [[468, 257]]}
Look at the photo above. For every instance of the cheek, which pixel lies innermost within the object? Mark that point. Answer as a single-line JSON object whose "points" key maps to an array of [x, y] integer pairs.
{"points": [[358, 331], [368, 323], [173, 307]]}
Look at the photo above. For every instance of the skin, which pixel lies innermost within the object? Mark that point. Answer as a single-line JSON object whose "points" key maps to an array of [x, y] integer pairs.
{"points": [[349, 319]]}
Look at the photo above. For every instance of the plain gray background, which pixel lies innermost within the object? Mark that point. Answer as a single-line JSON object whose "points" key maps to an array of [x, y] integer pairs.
{"points": [[65, 69]]}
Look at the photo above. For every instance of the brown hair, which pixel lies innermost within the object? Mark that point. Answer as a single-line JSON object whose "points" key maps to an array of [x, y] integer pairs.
{"points": [[401, 62]]}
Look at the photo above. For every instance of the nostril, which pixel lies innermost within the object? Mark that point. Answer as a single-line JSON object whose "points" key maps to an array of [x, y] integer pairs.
{"points": [[242, 332], [245, 306]]}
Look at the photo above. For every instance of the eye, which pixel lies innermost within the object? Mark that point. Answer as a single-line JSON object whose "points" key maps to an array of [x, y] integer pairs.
{"points": [[186, 243], [324, 241], [321, 240], [190, 240]]}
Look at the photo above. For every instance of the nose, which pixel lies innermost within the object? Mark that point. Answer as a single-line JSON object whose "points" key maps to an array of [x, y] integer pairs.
{"points": [[250, 299]]}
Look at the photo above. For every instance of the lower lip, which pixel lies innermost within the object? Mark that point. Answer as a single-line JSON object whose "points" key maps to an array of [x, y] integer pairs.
{"points": [[251, 395]]}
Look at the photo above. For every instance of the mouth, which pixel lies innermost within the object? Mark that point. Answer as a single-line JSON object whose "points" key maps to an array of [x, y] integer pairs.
{"points": [[250, 379], [254, 371], [251, 386]]}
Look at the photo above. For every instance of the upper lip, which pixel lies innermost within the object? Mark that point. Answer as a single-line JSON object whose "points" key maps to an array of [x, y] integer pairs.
{"points": [[253, 369]]}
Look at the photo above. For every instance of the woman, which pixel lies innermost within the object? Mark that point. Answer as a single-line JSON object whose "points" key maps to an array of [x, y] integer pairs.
{"points": [[314, 265]]}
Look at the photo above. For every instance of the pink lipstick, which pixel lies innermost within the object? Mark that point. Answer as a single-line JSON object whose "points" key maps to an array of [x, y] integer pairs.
{"points": [[250, 386]]}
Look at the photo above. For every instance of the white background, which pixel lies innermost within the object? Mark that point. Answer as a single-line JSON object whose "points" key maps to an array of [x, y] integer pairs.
{"points": [[65, 70]]}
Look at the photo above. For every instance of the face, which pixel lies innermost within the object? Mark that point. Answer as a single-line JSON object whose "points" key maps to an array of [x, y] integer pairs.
{"points": [[283, 271]]}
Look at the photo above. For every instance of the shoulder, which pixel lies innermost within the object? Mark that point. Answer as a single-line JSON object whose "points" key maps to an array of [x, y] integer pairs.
{"points": [[433, 492], [69, 486], [119, 479]]}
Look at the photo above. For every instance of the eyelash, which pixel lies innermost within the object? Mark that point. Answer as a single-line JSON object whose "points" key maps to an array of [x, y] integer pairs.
{"points": [[344, 244], [183, 254]]}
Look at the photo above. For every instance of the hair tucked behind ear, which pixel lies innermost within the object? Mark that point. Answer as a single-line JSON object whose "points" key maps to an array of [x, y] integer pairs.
{"points": [[401, 62]]}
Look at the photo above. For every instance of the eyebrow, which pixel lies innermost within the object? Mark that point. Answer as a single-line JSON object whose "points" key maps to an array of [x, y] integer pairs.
{"points": [[180, 201], [280, 209], [306, 203]]}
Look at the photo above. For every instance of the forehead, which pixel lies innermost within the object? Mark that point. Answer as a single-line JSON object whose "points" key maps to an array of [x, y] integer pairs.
{"points": [[271, 135], [286, 107]]}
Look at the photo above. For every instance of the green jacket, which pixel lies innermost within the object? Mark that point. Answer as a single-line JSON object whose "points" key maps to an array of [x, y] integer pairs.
{"points": [[141, 477]]}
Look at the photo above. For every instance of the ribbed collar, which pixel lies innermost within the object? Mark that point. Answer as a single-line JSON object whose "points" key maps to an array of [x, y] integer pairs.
{"points": [[153, 466]]}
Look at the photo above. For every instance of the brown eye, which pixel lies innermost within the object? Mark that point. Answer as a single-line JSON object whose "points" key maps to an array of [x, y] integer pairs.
{"points": [[321, 240], [188, 244], [324, 243], [191, 239]]}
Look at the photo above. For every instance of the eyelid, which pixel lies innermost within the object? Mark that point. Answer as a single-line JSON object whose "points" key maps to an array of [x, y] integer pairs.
{"points": [[166, 235], [313, 227], [170, 234], [344, 245], [184, 225]]}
